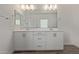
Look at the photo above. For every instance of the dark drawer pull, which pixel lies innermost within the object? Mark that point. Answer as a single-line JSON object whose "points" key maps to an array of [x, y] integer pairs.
{"points": [[24, 35], [54, 34], [39, 38], [39, 46]]}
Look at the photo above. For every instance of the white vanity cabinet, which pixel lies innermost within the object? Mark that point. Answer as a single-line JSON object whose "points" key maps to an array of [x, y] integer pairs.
{"points": [[54, 41], [19, 40], [38, 40]]}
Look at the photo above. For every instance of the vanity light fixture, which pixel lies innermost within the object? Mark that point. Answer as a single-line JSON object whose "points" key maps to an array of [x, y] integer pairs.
{"points": [[32, 7], [27, 7], [50, 7]]}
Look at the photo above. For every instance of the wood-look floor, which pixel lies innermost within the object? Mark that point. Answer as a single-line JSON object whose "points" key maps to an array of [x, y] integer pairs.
{"points": [[68, 49]]}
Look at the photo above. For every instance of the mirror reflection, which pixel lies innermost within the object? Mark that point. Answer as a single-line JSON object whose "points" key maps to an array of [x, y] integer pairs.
{"points": [[37, 16]]}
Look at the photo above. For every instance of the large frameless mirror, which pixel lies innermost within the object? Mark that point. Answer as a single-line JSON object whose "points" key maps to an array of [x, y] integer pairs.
{"points": [[38, 18]]}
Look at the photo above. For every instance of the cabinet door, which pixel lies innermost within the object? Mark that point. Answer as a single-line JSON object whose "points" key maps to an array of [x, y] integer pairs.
{"points": [[30, 42], [54, 41], [60, 38], [19, 42]]}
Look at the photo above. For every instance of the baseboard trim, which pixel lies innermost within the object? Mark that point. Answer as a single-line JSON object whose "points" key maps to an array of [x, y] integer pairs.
{"points": [[6, 52], [19, 51]]}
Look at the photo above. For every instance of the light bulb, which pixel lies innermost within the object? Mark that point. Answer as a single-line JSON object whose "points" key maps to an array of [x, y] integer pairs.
{"points": [[23, 7], [50, 7], [27, 7], [46, 7], [55, 7], [32, 7]]}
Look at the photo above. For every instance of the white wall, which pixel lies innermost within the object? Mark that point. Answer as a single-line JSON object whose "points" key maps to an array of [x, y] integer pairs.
{"points": [[6, 28], [64, 21], [69, 23], [75, 25]]}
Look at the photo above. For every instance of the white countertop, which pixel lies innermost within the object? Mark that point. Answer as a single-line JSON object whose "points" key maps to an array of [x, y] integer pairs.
{"points": [[38, 29]]}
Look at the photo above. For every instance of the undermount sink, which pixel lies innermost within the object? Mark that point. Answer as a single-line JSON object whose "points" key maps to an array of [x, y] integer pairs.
{"points": [[53, 29]]}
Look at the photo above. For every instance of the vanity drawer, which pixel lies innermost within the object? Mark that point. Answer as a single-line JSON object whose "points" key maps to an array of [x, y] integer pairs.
{"points": [[39, 33], [42, 36], [40, 45], [42, 33], [38, 39]]}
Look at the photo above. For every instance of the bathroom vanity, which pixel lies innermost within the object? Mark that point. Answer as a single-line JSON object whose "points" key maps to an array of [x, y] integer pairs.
{"points": [[37, 30], [38, 40]]}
